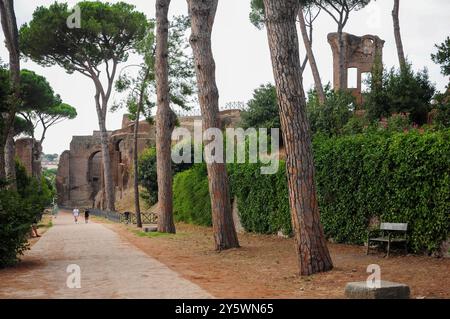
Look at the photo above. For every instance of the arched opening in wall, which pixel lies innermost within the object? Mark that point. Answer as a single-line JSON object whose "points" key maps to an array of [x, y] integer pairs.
{"points": [[122, 177], [95, 173], [352, 78], [365, 82], [119, 149]]}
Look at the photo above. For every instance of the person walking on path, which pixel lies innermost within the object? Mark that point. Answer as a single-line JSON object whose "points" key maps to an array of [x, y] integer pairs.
{"points": [[76, 213], [86, 216]]}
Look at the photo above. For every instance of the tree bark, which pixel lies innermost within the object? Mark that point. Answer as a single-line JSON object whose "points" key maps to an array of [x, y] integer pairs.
{"points": [[10, 161], [397, 34], [202, 20], [312, 251], [163, 121], [342, 85], [108, 183], [2, 165], [10, 31], [137, 206], [311, 57]]}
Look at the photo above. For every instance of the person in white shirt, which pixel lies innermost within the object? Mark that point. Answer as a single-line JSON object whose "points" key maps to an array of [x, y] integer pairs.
{"points": [[76, 213]]}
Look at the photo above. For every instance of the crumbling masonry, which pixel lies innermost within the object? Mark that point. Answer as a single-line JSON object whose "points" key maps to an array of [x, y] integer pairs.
{"points": [[360, 53], [79, 180]]}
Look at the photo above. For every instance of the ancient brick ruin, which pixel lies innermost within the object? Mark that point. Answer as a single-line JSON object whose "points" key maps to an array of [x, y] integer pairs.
{"points": [[24, 152], [360, 55], [79, 180]]}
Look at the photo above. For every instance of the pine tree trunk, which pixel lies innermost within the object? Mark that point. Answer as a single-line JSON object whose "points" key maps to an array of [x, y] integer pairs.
{"points": [[311, 57], [10, 31], [397, 34], [2, 165], [342, 85], [163, 121], [202, 19], [108, 183], [10, 161], [313, 255], [137, 206]]}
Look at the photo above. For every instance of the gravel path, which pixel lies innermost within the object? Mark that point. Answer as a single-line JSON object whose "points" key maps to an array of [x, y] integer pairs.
{"points": [[110, 267]]}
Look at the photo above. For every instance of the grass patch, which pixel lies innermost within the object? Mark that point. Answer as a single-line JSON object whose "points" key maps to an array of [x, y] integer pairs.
{"points": [[141, 233]]}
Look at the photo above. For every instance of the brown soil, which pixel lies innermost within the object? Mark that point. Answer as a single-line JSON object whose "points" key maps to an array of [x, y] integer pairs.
{"points": [[265, 266]]}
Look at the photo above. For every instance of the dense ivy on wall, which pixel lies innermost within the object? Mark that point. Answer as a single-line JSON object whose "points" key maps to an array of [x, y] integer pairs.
{"points": [[262, 200], [397, 178], [400, 177], [191, 202]]}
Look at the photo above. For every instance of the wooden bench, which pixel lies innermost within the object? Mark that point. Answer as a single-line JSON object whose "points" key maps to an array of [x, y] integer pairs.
{"points": [[390, 233]]}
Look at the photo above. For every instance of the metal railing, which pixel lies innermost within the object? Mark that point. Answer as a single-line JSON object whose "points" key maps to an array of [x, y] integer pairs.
{"points": [[126, 218]]}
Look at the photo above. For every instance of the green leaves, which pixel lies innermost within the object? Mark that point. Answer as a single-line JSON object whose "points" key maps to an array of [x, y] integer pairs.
{"points": [[108, 32], [262, 111], [442, 56], [18, 211], [402, 177], [396, 178], [191, 201], [401, 91]]}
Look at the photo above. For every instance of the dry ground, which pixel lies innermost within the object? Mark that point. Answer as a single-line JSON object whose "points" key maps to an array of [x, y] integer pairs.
{"points": [[265, 266]]}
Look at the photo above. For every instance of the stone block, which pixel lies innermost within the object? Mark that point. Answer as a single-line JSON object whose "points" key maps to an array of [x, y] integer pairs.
{"points": [[150, 229], [387, 290]]}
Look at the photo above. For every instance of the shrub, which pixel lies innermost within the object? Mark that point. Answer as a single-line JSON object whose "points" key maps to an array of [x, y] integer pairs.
{"points": [[148, 177], [400, 92], [262, 109], [18, 211], [442, 119], [191, 202], [330, 118], [262, 200], [16, 218], [398, 178], [395, 177]]}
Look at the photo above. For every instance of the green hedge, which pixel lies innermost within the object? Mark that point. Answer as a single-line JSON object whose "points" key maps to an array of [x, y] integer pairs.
{"points": [[16, 218], [18, 211], [397, 178], [263, 200], [402, 177], [191, 201]]}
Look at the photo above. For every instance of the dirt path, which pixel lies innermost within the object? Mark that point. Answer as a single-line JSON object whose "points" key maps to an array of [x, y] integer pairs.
{"points": [[110, 267], [266, 266]]}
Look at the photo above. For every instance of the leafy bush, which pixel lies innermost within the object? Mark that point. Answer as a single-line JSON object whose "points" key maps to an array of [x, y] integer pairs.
{"points": [[262, 109], [262, 200], [18, 211], [399, 91], [396, 177], [148, 177], [442, 119], [16, 218], [191, 201], [399, 178], [331, 117]]}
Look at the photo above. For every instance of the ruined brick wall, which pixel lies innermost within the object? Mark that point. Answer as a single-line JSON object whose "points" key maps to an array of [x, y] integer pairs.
{"points": [[80, 172], [62, 179], [24, 152], [360, 53]]}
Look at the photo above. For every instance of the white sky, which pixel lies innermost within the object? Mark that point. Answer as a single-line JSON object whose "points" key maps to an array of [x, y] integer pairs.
{"points": [[242, 54]]}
